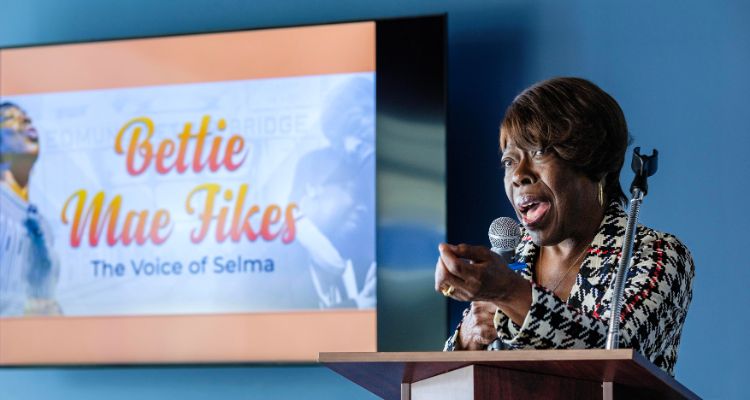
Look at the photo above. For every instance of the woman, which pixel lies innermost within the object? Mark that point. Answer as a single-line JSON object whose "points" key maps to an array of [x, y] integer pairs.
{"points": [[29, 274], [563, 143]]}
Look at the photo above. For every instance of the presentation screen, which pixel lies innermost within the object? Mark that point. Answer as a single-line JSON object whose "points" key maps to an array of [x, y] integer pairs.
{"points": [[199, 198]]}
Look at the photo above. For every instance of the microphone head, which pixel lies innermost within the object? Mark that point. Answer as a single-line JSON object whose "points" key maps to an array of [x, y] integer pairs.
{"points": [[504, 234]]}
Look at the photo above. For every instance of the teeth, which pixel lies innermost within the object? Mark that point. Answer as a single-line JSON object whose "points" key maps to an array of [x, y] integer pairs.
{"points": [[526, 207], [526, 203]]}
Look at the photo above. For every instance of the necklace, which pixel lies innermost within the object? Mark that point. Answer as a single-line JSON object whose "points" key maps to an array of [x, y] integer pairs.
{"points": [[570, 268]]}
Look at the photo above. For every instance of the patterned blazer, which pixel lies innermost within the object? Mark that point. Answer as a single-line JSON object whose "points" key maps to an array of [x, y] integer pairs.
{"points": [[658, 291]]}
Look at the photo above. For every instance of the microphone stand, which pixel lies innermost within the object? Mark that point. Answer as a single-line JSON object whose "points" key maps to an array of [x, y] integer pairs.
{"points": [[643, 166]]}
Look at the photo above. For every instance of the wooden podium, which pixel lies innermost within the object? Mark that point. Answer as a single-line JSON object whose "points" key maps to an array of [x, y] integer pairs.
{"points": [[518, 374]]}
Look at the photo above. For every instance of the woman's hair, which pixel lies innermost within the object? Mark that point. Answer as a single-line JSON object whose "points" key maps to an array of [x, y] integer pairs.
{"points": [[576, 119]]}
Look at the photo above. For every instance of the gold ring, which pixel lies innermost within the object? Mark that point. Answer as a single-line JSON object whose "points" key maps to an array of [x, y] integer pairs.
{"points": [[448, 291]]}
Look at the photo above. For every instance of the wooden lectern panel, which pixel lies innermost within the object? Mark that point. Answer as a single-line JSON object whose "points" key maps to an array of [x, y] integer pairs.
{"points": [[629, 372], [480, 382]]}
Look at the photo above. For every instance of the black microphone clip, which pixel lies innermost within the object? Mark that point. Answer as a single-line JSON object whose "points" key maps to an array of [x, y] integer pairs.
{"points": [[643, 166]]}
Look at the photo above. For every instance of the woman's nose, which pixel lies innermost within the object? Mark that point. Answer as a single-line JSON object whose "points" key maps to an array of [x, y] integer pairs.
{"points": [[524, 174]]}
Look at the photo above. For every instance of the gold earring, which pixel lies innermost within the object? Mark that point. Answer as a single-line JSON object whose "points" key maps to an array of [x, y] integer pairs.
{"points": [[601, 194]]}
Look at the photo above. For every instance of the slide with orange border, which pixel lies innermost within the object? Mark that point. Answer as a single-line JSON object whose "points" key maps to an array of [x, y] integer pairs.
{"points": [[199, 198]]}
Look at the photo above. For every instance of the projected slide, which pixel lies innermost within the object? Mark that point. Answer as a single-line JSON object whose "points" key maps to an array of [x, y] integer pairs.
{"points": [[223, 174]]}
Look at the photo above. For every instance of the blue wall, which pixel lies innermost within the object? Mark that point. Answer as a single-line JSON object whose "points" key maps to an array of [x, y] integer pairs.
{"points": [[679, 70]]}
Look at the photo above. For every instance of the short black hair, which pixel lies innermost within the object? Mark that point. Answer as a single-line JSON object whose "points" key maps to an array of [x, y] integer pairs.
{"points": [[579, 121]]}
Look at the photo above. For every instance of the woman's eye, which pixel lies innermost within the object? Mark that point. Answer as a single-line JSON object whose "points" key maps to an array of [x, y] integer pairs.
{"points": [[539, 153], [506, 162]]}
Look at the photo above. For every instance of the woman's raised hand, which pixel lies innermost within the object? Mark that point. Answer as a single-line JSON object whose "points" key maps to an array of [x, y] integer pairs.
{"points": [[473, 273]]}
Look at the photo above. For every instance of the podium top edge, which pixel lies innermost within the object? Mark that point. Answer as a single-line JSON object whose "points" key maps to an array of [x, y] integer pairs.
{"points": [[481, 356]]}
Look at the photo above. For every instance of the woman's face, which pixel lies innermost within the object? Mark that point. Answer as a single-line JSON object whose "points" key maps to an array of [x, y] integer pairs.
{"points": [[553, 201], [19, 137]]}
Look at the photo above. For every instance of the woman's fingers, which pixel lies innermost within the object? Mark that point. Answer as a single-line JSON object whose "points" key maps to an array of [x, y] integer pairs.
{"points": [[444, 280], [486, 335], [463, 274], [484, 315], [478, 328], [484, 309], [474, 272], [453, 264], [478, 254]]}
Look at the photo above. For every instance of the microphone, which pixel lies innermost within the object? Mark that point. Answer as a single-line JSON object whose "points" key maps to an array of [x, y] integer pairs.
{"points": [[504, 234]]}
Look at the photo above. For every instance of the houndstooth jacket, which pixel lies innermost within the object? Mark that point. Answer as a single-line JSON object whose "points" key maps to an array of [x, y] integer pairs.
{"points": [[658, 291]]}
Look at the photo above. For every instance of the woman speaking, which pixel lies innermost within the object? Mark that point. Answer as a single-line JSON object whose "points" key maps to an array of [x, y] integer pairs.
{"points": [[563, 143]]}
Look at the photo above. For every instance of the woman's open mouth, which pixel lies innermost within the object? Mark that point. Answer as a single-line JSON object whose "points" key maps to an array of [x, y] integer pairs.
{"points": [[532, 210]]}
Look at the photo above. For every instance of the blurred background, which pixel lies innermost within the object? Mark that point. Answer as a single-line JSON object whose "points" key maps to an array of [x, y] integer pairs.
{"points": [[678, 69]]}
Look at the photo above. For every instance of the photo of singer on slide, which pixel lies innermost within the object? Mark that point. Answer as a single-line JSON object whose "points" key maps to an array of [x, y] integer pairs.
{"points": [[336, 188], [562, 144], [29, 268]]}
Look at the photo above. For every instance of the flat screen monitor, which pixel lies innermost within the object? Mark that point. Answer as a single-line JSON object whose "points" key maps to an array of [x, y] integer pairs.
{"points": [[197, 198]]}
